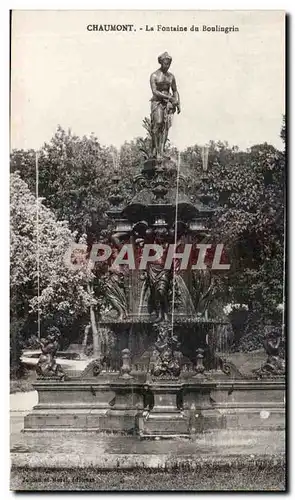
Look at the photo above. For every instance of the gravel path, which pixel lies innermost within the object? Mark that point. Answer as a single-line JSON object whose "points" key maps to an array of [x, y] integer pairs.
{"points": [[217, 461], [23, 401]]}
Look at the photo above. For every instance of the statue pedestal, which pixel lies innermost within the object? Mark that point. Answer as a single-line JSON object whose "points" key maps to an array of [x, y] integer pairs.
{"points": [[165, 419], [199, 405], [123, 414]]}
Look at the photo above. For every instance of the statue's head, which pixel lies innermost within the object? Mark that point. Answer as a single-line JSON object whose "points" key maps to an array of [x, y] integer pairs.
{"points": [[53, 333], [165, 61]]}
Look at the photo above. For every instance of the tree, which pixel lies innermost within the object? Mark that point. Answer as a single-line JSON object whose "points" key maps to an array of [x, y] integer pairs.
{"points": [[248, 187], [63, 295], [75, 179]]}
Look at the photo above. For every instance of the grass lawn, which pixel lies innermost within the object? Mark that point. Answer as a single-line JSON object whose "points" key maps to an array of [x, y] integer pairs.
{"points": [[221, 479], [246, 362], [23, 384]]}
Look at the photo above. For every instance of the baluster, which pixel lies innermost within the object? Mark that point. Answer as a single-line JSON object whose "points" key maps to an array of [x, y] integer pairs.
{"points": [[126, 366]]}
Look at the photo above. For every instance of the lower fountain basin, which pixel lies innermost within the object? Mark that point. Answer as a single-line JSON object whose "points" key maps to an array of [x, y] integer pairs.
{"points": [[180, 407]]}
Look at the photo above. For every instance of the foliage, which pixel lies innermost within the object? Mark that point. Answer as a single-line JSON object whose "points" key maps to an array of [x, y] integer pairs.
{"points": [[75, 179], [63, 294], [16, 345], [248, 187]]}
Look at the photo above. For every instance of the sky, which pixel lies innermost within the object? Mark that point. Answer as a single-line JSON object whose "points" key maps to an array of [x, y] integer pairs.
{"points": [[231, 85]]}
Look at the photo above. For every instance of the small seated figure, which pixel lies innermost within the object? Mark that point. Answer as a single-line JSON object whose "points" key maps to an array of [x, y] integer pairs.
{"points": [[47, 365], [275, 364]]}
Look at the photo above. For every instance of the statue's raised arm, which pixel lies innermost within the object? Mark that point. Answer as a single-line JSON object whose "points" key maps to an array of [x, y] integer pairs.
{"points": [[165, 101]]}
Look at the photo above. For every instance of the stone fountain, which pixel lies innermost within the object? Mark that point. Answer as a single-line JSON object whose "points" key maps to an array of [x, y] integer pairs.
{"points": [[159, 374]]}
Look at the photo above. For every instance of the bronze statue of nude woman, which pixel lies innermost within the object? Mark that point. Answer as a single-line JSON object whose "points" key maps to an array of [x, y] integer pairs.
{"points": [[163, 104]]}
